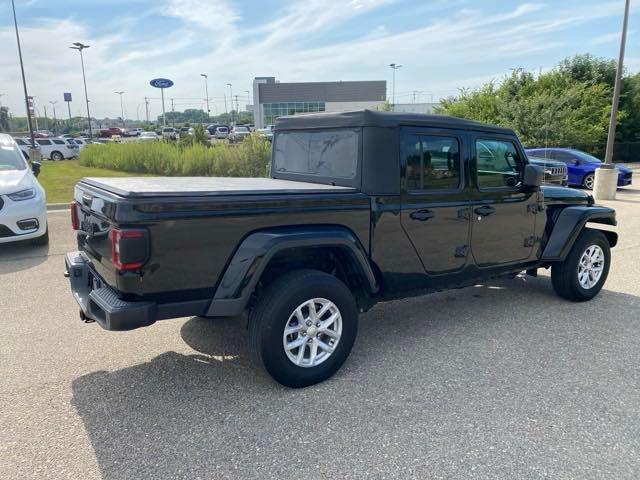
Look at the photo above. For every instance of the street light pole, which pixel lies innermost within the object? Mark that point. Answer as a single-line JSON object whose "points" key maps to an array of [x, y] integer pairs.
{"points": [[121, 107], [32, 151], [55, 118], [394, 67], [206, 92], [146, 107], [79, 46], [606, 175], [231, 99]]}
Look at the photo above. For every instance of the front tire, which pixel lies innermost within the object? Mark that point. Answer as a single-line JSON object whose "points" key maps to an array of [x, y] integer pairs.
{"points": [[588, 181], [302, 327], [57, 156], [582, 274]]}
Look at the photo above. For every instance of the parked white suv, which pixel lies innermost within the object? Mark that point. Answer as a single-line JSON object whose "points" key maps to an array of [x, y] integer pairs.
{"points": [[133, 132], [23, 205], [24, 144], [56, 148]]}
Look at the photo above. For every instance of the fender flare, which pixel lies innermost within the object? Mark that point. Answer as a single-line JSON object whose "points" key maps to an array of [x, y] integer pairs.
{"points": [[243, 271], [570, 223]]}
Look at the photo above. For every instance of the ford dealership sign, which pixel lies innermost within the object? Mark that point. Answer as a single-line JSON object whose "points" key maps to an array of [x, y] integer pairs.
{"points": [[161, 83]]}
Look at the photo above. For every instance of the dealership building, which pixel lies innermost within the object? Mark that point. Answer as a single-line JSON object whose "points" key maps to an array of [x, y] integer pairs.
{"points": [[273, 99]]}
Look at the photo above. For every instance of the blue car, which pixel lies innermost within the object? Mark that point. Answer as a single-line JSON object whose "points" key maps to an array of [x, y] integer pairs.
{"points": [[580, 165]]}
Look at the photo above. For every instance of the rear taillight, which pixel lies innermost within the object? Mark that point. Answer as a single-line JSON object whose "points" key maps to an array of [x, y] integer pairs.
{"points": [[75, 221], [129, 248]]}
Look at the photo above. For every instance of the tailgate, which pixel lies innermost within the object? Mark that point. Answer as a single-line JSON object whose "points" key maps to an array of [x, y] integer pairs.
{"points": [[96, 214]]}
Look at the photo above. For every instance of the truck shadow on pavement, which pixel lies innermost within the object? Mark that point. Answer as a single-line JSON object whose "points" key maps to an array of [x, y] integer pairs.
{"points": [[496, 365]]}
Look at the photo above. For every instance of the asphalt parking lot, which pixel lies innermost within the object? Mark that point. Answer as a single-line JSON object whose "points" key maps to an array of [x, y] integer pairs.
{"points": [[503, 380]]}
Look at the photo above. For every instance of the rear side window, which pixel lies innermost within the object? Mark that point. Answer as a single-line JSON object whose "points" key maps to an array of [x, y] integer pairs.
{"points": [[325, 153], [58, 142], [44, 142], [433, 162]]}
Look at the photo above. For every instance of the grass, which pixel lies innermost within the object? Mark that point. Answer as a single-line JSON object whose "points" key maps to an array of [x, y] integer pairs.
{"points": [[186, 158], [59, 178]]}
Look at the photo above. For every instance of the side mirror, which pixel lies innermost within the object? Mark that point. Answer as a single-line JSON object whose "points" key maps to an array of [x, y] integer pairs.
{"points": [[533, 176], [575, 161], [35, 168]]}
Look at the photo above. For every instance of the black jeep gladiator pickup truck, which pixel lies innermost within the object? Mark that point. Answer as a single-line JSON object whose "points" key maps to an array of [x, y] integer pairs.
{"points": [[361, 207]]}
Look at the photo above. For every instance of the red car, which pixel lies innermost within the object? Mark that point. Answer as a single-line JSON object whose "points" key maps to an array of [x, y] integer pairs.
{"points": [[111, 131]]}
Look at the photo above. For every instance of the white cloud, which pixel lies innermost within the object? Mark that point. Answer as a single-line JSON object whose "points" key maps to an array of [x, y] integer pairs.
{"points": [[219, 16], [610, 37], [446, 51]]}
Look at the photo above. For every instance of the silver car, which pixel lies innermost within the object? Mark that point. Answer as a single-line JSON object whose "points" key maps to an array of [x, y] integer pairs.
{"points": [[238, 133]]}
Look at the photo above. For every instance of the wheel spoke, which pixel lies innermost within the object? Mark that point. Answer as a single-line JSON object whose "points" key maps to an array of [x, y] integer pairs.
{"points": [[329, 321], [296, 343], [325, 346], [294, 329], [324, 309], [329, 333], [314, 351], [300, 356]]}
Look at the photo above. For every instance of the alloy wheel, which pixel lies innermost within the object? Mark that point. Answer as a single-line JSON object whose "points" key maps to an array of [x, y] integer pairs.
{"points": [[590, 266], [312, 332]]}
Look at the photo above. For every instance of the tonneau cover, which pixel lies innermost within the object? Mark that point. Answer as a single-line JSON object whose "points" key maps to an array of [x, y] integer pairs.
{"points": [[140, 187]]}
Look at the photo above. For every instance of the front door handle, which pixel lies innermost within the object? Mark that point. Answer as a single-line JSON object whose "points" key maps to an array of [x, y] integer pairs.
{"points": [[422, 215], [485, 211]]}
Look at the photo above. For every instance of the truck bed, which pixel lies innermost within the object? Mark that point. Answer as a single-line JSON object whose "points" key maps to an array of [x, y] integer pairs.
{"points": [[141, 187]]}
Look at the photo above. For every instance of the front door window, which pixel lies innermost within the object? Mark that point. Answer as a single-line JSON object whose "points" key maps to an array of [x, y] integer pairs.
{"points": [[498, 164]]}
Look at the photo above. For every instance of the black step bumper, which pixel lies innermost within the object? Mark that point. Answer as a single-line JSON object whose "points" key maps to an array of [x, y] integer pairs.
{"points": [[99, 302]]}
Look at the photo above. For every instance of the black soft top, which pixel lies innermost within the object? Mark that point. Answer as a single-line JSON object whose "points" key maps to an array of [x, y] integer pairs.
{"points": [[374, 118]]}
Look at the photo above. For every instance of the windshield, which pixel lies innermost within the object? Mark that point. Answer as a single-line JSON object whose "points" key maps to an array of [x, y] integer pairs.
{"points": [[11, 158], [241, 129], [585, 157], [325, 153]]}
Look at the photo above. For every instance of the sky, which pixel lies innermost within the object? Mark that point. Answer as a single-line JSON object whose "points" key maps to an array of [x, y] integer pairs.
{"points": [[442, 45]]}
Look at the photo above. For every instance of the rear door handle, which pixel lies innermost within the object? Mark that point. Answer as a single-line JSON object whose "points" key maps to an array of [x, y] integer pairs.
{"points": [[485, 211], [422, 215]]}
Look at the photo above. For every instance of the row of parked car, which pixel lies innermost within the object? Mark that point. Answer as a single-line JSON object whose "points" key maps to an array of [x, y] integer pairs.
{"points": [[54, 148], [571, 167]]}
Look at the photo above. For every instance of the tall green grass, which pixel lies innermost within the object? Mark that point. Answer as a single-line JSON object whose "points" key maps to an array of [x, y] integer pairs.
{"points": [[247, 159]]}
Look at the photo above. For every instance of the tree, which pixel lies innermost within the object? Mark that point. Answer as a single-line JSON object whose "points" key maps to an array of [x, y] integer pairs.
{"points": [[587, 68], [570, 105], [4, 119]]}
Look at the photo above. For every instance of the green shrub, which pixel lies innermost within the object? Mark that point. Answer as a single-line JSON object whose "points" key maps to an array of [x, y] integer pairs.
{"points": [[247, 159]]}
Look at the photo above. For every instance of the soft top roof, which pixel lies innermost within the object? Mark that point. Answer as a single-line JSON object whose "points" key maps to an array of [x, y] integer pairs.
{"points": [[374, 118]]}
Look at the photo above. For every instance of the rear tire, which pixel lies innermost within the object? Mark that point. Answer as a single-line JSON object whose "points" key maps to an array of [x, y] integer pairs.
{"points": [[280, 306], [566, 276], [588, 181]]}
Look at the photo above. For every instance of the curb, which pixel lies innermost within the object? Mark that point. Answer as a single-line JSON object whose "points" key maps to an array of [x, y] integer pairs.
{"points": [[57, 206]]}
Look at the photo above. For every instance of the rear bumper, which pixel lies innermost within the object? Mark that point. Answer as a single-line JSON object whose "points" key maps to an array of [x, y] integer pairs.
{"points": [[101, 303], [624, 180]]}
